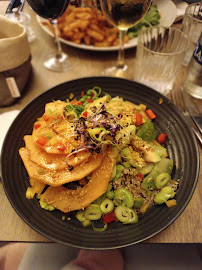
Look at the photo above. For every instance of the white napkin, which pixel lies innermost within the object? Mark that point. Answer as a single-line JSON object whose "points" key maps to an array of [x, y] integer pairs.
{"points": [[6, 120]]}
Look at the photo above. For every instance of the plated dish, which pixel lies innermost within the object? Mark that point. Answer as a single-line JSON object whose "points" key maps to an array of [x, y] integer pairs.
{"points": [[167, 10], [98, 158], [50, 224]]}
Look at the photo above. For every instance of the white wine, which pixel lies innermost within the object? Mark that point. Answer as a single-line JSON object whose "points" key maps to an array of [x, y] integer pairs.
{"points": [[124, 13]]}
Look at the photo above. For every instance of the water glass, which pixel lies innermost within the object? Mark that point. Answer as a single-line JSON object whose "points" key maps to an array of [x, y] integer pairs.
{"points": [[192, 27], [160, 52]]}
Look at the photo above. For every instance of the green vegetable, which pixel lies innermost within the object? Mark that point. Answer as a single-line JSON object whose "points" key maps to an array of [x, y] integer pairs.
{"points": [[119, 169], [99, 225], [46, 206], [151, 18], [80, 215], [163, 195], [165, 165], [86, 222], [125, 196], [133, 217], [122, 213], [110, 195], [98, 133], [147, 169], [113, 173], [148, 181], [107, 206], [127, 154], [161, 180], [162, 151], [147, 131], [138, 202], [93, 212], [126, 164], [78, 109]]}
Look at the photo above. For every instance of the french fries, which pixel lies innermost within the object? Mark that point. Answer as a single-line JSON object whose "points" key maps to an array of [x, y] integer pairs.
{"points": [[87, 25]]}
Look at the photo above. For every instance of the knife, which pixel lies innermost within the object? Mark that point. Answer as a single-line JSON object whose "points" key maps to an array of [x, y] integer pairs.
{"points": [[193, 110], [15, 4]]}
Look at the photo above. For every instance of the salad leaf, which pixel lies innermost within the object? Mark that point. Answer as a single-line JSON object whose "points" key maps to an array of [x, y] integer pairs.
{"points": [[151, 18]]}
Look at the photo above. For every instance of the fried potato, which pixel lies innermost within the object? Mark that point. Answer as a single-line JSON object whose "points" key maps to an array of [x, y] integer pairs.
{"points": [[96, 35], [59, 177], [87, 40], [68, 200], [83, 16], [87, 25], [102, 44]]}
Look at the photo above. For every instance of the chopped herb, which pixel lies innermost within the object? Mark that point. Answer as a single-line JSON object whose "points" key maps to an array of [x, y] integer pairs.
{"points": [[78, 109]]}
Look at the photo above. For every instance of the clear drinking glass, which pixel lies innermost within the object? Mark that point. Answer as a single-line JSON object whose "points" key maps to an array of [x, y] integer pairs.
{"points": [[192, 27], [24, 19], [123, 14], [160, 52]]}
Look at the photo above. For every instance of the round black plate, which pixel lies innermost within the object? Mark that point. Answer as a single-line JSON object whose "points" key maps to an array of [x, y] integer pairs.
{"points": [[182, 148]]}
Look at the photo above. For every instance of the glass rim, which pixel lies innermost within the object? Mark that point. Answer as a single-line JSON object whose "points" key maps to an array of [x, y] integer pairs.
{"points": [[190, 14], [140, 43]]}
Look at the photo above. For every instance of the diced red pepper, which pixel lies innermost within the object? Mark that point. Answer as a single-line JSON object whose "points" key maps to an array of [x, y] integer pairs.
{"points": [[61, 147], [37, 125], [138, 119], [161, 138], [89, 100], [92, 95], [82, 93], [150, 114], [79, 103], [110, 217], [45, 117], [59, 117], [42, 140], [85, 114], [140, 175]]}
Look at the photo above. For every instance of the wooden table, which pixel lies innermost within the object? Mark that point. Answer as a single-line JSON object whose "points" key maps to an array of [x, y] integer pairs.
{"points": [[186, 229]]}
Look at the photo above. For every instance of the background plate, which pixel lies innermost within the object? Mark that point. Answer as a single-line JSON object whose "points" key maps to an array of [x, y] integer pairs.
{"points": [[182, 148], [167, 11]]}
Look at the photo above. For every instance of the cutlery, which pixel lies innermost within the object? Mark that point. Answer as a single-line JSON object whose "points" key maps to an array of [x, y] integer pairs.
{"points": [[176, 96], [194, 112]]}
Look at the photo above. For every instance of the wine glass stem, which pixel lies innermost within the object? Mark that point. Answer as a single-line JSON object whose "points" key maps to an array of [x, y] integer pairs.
{"points": [[121, 61], [59, 48]]}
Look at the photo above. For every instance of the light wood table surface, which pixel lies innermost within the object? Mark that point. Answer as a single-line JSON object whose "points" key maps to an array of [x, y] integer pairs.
{"points": [[186, 229]]}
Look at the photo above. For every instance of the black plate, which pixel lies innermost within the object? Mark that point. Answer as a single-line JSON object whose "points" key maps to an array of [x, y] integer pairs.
{"points": [[182, 148]]}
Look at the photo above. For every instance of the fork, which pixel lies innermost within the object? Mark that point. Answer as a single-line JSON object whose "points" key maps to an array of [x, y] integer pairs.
{"points": [[176, 96]]}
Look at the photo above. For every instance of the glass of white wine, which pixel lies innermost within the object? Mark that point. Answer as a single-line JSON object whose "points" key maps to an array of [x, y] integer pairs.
{"points": [[123, 14]]}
